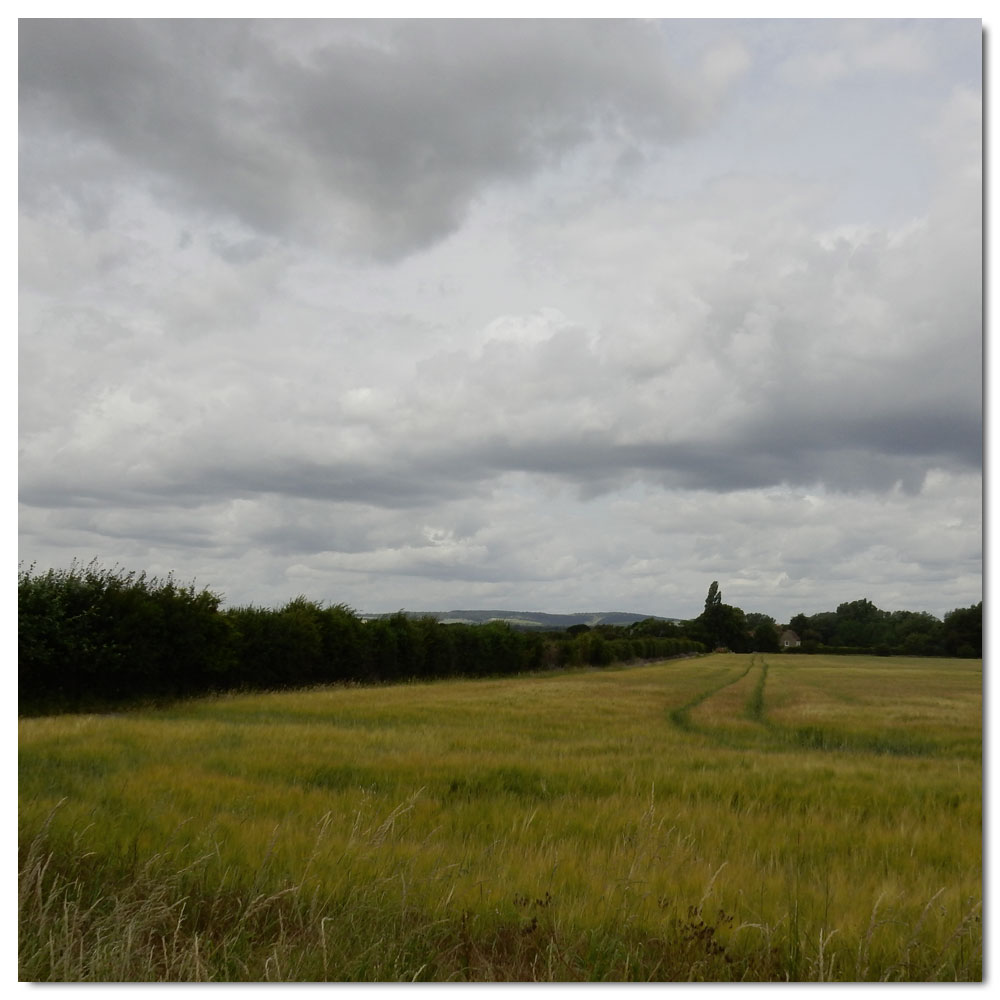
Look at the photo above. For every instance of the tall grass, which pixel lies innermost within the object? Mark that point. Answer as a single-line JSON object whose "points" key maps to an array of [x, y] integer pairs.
{"points": [[656, 823]]}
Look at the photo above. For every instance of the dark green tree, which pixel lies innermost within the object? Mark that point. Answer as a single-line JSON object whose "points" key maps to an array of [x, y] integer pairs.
{"points": [[914, 633], [656, 628], [963, 631], [800, 623], [722, 624], [860, 623], [764, 638]]}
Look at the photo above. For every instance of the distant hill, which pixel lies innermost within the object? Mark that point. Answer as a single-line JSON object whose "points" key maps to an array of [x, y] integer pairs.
{"points": [[531, 619]]}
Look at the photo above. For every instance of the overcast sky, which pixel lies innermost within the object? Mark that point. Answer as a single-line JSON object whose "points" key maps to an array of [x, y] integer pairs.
{"points": [[536, 315]]}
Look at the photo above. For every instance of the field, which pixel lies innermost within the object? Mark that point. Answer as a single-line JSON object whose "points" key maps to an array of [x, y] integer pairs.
{"points": [[731, 817]]}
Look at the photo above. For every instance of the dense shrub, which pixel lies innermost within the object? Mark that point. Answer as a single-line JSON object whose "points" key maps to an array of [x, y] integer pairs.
{"points": [[89, 634], [92, 637]]}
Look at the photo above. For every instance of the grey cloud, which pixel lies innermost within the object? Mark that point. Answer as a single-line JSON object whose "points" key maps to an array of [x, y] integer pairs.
{"points": [[239, 251], [598, 467], [307, 529], [380, 134], [435, 445], [402, 487], [648, 550]]}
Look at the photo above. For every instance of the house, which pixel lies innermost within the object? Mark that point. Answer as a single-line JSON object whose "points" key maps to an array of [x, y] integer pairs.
{"points": [[788, 638]]}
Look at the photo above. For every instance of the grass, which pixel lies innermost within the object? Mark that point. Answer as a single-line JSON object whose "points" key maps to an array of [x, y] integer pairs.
{"points": [[725, 818]]}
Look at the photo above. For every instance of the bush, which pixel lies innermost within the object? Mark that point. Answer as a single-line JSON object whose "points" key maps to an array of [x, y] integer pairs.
{"points": [[89, 635]]}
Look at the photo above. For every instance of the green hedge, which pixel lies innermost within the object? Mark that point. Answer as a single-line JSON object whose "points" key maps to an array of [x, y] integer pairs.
{"points": [[89, 637]]}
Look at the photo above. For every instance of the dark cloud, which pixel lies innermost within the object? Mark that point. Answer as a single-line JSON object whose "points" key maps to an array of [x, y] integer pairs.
{"points": [[375, 135]]}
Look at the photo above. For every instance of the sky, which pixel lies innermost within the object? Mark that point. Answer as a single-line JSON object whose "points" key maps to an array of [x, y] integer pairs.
{"points": [[534, 315]]}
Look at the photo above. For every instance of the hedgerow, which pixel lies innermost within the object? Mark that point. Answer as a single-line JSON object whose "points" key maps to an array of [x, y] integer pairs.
{"points": [[90, 637]]}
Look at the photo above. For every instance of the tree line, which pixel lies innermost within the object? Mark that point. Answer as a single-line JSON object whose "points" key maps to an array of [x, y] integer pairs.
{"points": [[911, 633], [90, 637], [855, 627]]}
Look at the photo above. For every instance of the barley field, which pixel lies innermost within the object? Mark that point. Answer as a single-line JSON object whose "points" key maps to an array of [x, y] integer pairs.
{"points": [[721, 818]]}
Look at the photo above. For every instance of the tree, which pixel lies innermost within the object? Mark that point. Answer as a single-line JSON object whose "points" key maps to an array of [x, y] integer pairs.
{"points": [[860, 623], [859, 611], [816, 628], [915, 633], [765, 637], [800, 623], [963, 631], [731, 628], [722, 624], [657, 628]]}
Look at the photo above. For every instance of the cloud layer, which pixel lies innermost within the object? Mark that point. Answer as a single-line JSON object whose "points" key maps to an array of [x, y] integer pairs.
{"points": [[565, 315]]}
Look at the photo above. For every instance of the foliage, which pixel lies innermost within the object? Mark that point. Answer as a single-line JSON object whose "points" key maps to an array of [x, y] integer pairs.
{"points": [[657, 628], [859, 626], [962, 633], [765, 638], [722, 625], [91, 637], [90, 634]]}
